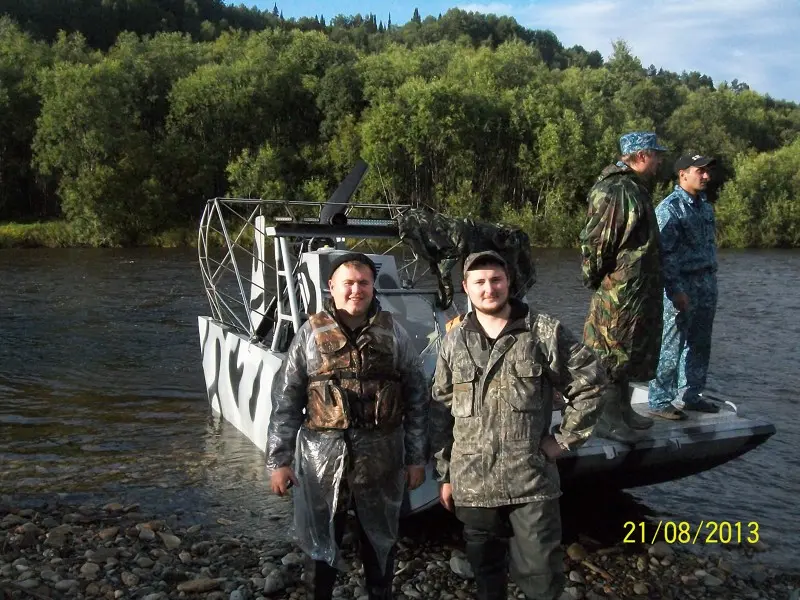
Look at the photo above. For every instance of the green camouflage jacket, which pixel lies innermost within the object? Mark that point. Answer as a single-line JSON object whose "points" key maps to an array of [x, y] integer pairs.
{"points": [[620, 249], [493, 403]]}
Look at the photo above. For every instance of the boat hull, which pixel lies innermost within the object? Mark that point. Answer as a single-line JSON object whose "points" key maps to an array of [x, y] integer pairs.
{"points": [[239, 376]]}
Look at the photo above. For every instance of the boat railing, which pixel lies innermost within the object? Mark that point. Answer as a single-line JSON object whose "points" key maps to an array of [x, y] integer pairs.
{"points": [[237, 236]]}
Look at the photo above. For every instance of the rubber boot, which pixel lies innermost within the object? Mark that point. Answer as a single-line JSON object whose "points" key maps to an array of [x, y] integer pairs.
{"points": [[636, 421], [320, 579], [611, 424], [489, 563], [379, 593], [632, 418]]}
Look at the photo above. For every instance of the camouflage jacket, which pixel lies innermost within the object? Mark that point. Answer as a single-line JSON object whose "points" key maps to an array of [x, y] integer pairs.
{"points": [[687, 238], [493, 404], [290, 395], [621, 262]]}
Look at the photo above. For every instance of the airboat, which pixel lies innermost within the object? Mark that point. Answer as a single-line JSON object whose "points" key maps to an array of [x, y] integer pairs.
{"points": [[265, 266]]}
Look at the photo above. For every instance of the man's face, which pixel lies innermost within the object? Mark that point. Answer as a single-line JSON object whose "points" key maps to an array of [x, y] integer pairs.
{"points": [[487, 288], [695, 179], [651, 161], [352, 288]]}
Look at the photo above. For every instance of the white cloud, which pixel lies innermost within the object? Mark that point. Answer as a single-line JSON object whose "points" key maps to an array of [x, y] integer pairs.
{"points": [[492, 8], [754, 41]]}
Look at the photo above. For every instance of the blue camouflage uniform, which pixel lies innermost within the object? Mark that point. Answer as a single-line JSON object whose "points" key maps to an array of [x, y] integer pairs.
{"points": [[689, 265]]}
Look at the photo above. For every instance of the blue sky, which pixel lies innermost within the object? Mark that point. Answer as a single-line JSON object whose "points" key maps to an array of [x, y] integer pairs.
{"points": [[755, 41]]}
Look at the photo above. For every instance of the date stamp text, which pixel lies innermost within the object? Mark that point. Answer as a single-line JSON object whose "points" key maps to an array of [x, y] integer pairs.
{"points": [[684, 532]]}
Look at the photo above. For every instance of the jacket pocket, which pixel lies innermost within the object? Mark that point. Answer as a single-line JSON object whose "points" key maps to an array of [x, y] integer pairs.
{"points": [[524, 385], [526, 471], [463, 391], [466, 473]]}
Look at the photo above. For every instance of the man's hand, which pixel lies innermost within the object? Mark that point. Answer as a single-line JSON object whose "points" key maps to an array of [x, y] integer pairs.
{"points": [[415, 476], [446, 496], [280, 479], [681, 301], [550, 447]]}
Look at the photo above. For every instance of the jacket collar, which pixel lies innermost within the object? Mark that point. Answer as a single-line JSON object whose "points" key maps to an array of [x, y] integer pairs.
{"points": [[518, 320], [699, 199]]}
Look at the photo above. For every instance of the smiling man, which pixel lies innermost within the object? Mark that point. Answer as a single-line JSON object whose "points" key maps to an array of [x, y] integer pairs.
{"points": [[352, 395], [490, 429], [689, 259]]}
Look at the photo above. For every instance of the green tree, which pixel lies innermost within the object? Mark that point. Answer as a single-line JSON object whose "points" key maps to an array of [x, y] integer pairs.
{"points": [[759, 207]]}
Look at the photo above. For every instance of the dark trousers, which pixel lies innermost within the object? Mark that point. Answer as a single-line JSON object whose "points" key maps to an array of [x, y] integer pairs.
{"points": [[322, 576], [530, 534]]}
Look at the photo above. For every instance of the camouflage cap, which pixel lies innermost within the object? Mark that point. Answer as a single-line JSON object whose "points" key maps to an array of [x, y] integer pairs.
{"points": [[486, 256], [639, 140]]}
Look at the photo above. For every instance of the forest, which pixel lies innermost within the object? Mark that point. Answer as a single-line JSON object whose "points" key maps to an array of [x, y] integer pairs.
{"points": [[120, 118]]}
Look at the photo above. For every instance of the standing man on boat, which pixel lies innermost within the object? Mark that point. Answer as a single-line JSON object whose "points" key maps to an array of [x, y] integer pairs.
{"points": [[689, 259], [490, 428], [620, 249], [363, 435]]}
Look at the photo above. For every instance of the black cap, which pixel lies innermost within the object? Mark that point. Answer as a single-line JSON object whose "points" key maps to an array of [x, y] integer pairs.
{"points": [[485, 257], [693, 160], [354, 257]]}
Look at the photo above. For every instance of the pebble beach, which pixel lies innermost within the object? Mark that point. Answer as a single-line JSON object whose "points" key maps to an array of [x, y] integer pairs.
{"points": [[112, 551]]}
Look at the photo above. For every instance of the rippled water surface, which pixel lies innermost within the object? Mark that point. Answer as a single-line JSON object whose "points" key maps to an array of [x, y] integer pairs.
{"points": [[102, 394]]}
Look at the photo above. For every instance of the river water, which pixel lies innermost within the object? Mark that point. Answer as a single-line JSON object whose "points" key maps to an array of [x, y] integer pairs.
{"points": [[102, 395]]}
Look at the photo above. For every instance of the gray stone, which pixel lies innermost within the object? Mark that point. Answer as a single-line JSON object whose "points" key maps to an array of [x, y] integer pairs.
{"points": [[90, 570], [109, 533], [29, 584], [461, 567], [171, 542], [129, 579], [293, 558], [198, 586], [640, 588], [146, 535], [49, 575], [661, 549], [65, 585], [274, 583], [641, 564], [11, 520], [577, 577]]}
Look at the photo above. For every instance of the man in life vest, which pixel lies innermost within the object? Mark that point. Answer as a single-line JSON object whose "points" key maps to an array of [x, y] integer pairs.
{"points": [[348, 428]]}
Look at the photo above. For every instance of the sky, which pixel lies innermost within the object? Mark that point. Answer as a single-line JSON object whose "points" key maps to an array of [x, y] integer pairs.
{"points": [[754, 41]]}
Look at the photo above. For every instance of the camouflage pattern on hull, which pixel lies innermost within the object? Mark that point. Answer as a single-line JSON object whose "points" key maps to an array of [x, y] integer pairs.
{"points": [[443, 241], [620, 251]]}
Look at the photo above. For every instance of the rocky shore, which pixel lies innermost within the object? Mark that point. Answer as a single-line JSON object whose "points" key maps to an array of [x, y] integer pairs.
{"points": [[115, 551]]}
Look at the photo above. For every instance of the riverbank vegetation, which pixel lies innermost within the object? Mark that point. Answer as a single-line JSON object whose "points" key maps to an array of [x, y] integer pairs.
{"points": [[119, 120]]}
